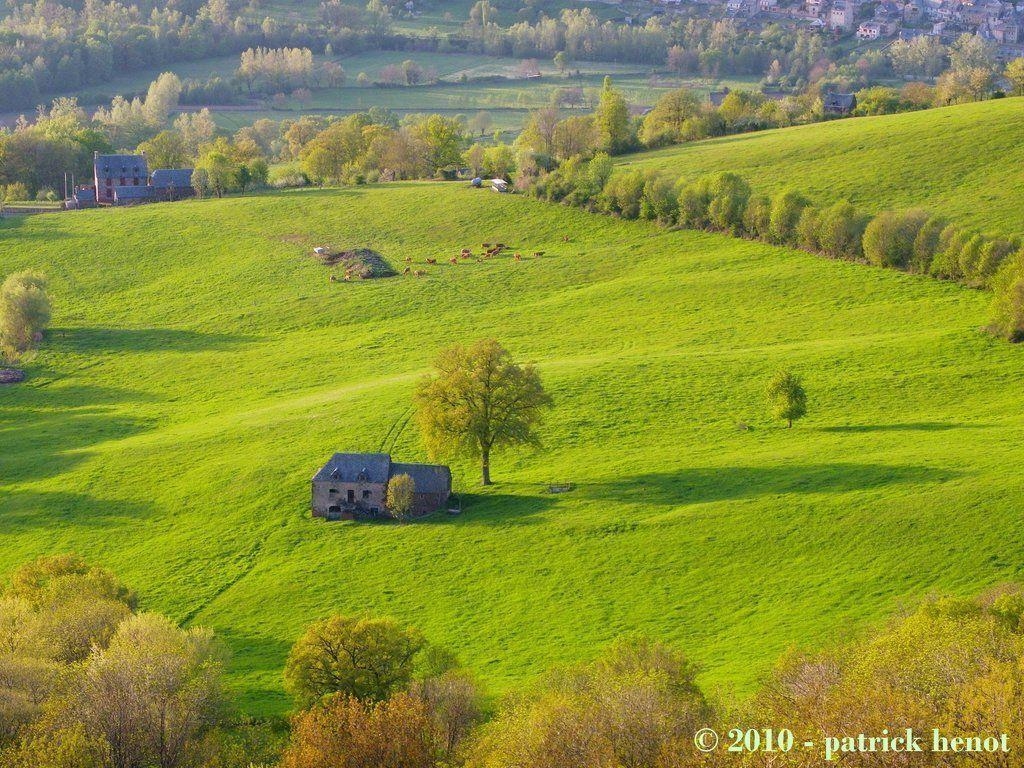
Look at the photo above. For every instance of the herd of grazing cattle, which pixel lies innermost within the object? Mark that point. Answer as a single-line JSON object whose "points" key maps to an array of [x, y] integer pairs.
{"points": [[489, 252]]}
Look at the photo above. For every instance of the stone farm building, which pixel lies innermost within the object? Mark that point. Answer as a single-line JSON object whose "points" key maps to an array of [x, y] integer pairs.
{"points": [[126, 179], [839, 103], [353, 485]]}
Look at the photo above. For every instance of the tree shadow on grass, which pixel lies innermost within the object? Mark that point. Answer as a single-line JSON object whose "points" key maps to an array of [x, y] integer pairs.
{"points": [[918, 426], [708, 484], [45, 430], [13, 223], [25, 511], [86, 340], [494, 509], [262, 655]]}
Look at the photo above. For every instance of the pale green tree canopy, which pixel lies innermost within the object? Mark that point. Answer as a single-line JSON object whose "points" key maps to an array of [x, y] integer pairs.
{"points": [[477, 400]]}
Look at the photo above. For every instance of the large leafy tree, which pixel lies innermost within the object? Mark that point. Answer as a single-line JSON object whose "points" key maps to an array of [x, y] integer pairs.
{"points": [[344, 732], [1015, 74], [153, 692], [219, 168], [366, 658], [612, 119], [477, 400], [442, 139], [664, 123]]}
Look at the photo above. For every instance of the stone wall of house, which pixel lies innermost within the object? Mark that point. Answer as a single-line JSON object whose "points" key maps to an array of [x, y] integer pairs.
{"points": [[329, 494], [424, 503]]}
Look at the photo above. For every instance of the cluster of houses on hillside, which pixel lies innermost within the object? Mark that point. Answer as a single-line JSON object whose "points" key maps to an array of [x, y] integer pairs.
{"points": [[1000, 21], [127, 180]]}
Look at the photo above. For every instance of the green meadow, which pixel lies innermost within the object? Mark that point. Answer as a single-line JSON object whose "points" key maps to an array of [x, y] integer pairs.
{"points": [[965, 162], [201, 367]]}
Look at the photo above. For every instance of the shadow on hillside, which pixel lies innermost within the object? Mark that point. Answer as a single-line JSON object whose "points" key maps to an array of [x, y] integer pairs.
{"points": [[139, 339], [256, 652], [46, 236], [708, 484], [920, 426], [45, 430], [332, 192], [25, 511], [494, 509]]}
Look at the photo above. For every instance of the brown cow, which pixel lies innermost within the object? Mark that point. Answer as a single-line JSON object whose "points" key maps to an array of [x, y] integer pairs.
{"points": [[431, 261], [419, 273], [407, 270], [408, 259], [518, 257], [485, 245], [539, 253], [334, 278], [453, 260]]}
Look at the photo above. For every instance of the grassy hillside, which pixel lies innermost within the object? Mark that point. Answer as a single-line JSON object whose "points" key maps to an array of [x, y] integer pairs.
{"points": [[202, 367], [965, 161]]}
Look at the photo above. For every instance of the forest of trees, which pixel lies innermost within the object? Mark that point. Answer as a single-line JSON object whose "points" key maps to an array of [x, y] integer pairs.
{"points": [[89, 680], [48, 47]]}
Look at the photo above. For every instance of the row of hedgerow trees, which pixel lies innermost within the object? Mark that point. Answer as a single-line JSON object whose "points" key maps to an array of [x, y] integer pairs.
{"points": [[914, 241], [88, 681]]}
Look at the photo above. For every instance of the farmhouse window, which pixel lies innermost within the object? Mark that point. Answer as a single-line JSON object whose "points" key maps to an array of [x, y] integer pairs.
{"points": [[366, 494], [351, 496], [332, 491]]}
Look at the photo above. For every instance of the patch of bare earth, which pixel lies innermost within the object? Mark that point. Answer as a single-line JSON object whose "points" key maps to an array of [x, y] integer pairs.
{"points": [[11, 376]]}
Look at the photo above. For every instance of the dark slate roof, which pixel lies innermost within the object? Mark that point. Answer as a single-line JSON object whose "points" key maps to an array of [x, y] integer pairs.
{"points": [[840, 101], [717, 97], [356, 467], [172, 177], [133, 193], [118, 165], [428, 478]]}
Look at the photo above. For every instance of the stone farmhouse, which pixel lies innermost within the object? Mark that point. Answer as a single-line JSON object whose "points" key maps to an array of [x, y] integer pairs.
{"points": [[354, 485], [839, 104], [126, 180]]}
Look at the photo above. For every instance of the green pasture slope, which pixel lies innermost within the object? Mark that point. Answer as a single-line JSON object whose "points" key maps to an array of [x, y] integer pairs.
{"points": [[966, 162], [202, 366]]}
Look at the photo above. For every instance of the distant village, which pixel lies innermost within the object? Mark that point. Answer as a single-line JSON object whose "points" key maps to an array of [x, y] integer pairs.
{"points": [[1001, 23]]}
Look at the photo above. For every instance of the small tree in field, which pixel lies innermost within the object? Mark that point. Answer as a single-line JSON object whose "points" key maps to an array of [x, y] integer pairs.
{"points": [[401, 489], [479, 400], [786, 397], [24, 312]]}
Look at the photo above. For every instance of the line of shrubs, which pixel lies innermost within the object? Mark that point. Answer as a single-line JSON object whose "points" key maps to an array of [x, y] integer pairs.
{"points": [[914, 241]]}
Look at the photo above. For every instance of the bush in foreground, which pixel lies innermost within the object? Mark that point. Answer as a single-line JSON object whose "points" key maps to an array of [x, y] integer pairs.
{"points": [[24, 312]]}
